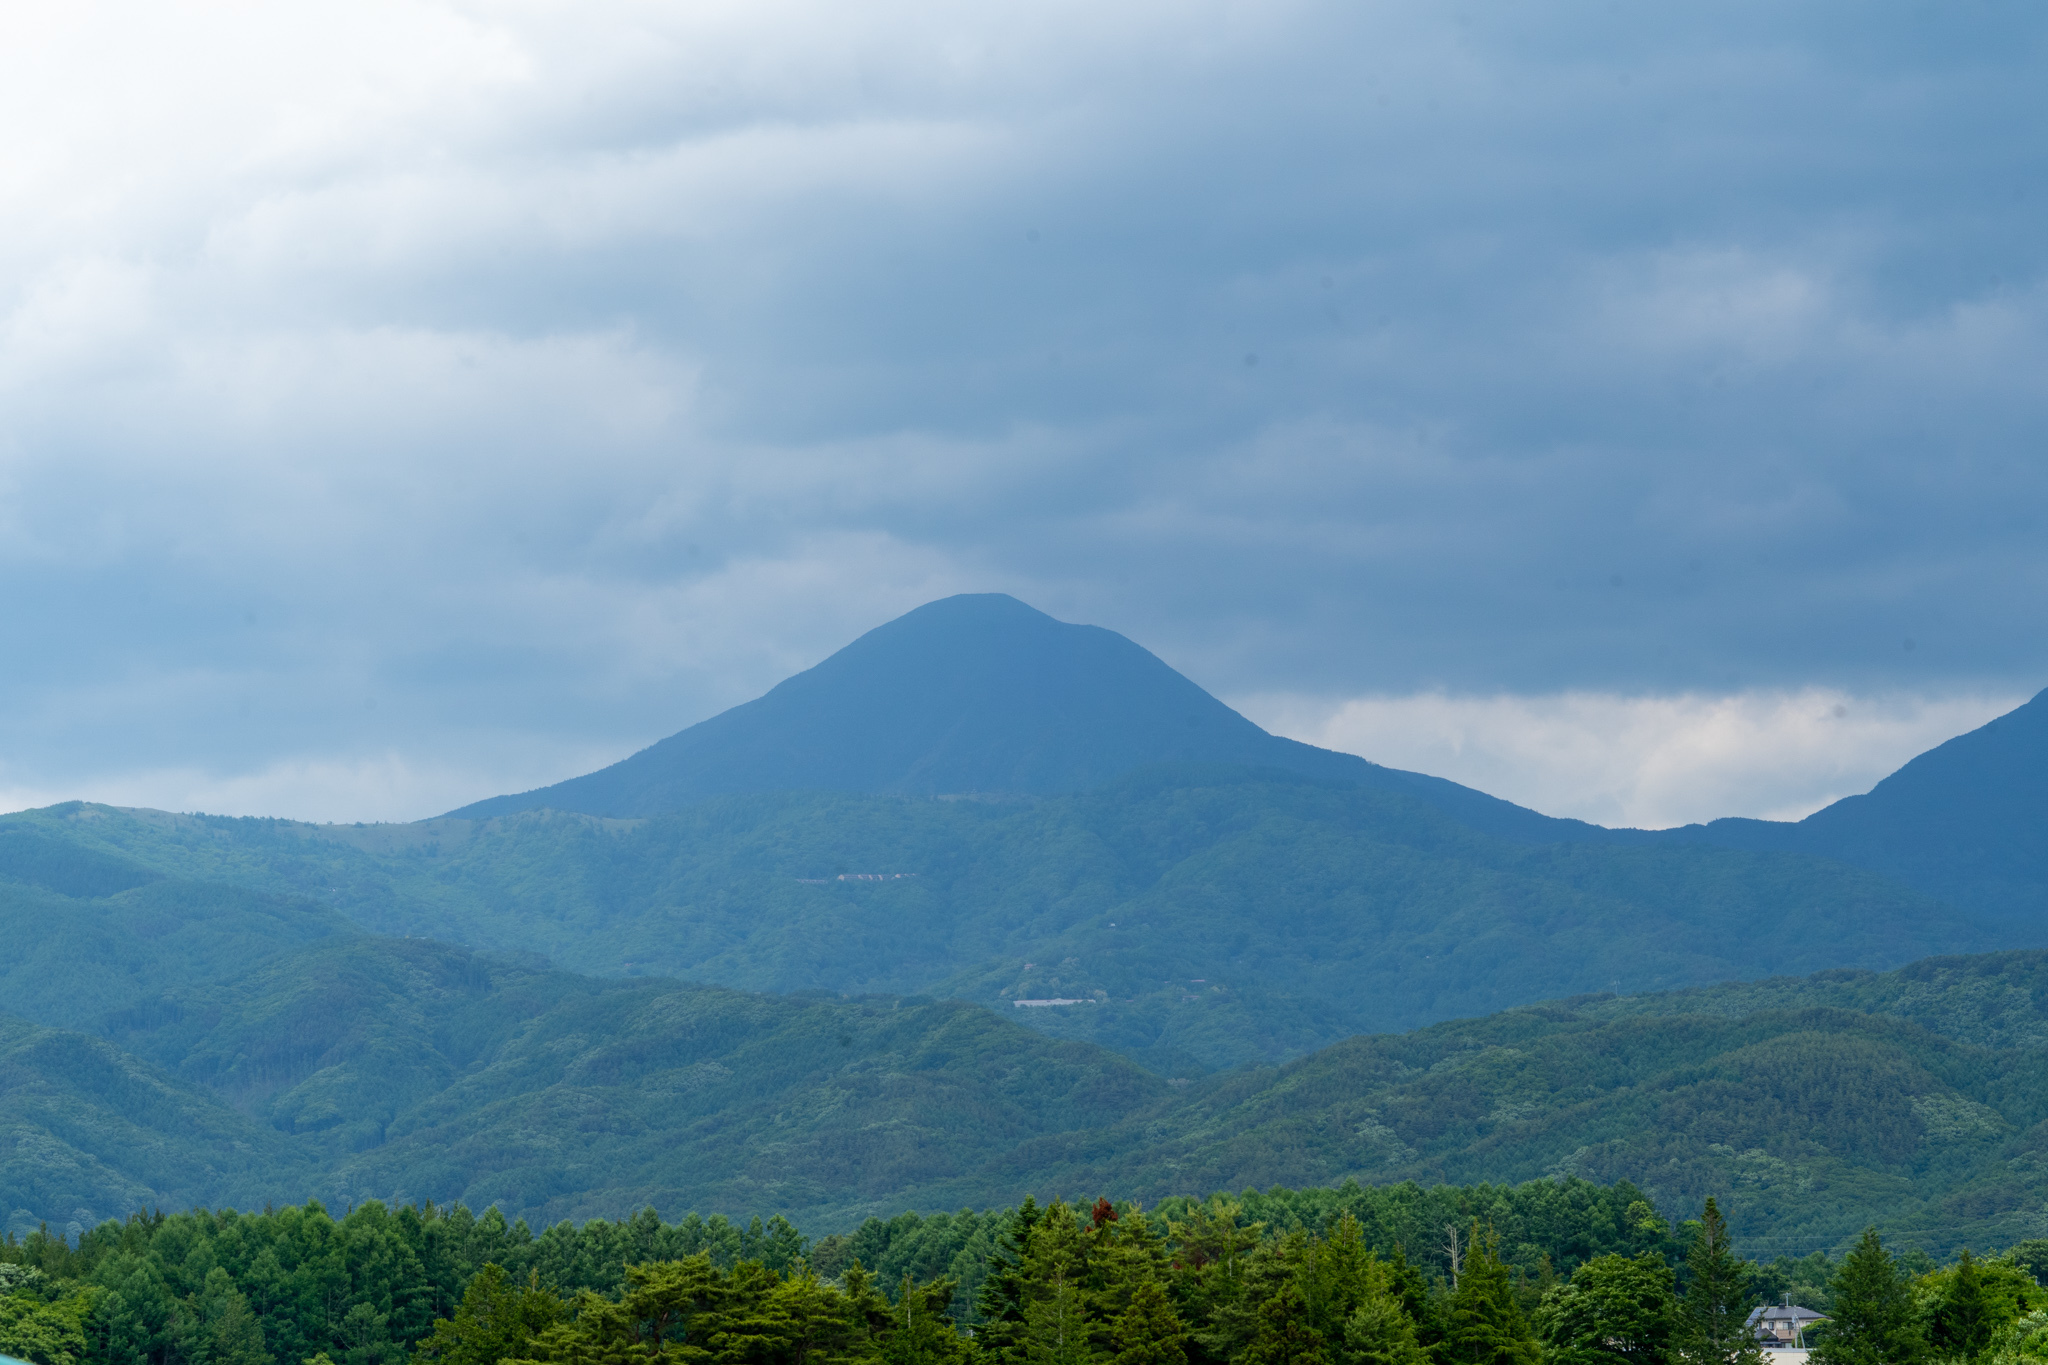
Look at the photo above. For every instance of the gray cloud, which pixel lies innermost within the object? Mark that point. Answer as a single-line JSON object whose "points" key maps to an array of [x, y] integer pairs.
{"points": [[495, 389]]}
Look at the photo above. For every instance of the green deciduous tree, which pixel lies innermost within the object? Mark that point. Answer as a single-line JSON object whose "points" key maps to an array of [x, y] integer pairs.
{"points": [[45, 1333], [1615, 1310]]}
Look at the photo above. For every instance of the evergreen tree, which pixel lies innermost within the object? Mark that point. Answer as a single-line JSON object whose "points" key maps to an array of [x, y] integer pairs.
{"points": [[1963, 1322], [1713, 1323], [1486, 1325], [494, 1321], [1059, 1316], [919, 1332], [1353, 1300], [1380, 1332], [999, 1336], [235, 1335], [819, 1324], [1286, 1335], [1056, 1321], [1149, 1332], [1872, 1322], [1406, 1282]]}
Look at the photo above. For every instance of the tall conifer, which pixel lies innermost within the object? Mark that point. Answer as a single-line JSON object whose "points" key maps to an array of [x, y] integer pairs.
{"points": [[1963, 1319], [1873, 1322], [999, 1338], [1713, 1327], [1486, 1324]]}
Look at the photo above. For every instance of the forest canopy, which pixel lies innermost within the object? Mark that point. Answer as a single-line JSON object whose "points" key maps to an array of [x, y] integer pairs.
{"points": [[1554, 1270]]}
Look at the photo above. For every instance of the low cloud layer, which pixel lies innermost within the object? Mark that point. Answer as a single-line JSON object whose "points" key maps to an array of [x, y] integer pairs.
{"points": [[1641, 762], [400, 403]]}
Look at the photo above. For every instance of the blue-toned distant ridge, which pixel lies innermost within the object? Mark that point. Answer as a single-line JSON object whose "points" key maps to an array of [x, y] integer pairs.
{"points": [[978, 693], [982, 694], [1966, 821]]}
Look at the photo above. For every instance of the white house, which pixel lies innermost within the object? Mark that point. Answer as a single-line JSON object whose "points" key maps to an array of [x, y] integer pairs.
{"points": [[1781, 1330]]}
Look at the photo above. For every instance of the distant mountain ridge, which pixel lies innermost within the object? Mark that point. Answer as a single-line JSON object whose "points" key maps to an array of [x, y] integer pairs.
{"points": [[1221, 914], [979, 693], [1967, 821]]}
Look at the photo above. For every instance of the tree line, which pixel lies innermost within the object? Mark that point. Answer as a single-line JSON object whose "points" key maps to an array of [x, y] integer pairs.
{"points": [[1548, 1273]]}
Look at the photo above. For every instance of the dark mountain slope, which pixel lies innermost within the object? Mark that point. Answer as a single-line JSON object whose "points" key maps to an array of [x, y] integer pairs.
{"points": [[977, 693], [1966, 821], [1220, 915]]}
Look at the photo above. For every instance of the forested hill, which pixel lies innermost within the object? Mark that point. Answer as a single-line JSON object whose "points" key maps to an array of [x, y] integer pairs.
{"points": [[1218, 916], [977, 693], [353, 1066]]}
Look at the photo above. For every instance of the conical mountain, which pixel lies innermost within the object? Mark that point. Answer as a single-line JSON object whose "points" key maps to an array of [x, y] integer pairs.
{"points": [[976, 694]]}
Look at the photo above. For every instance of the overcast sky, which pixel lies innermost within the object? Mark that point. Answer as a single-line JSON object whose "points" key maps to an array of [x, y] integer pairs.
{"points": [[1637, 411]]}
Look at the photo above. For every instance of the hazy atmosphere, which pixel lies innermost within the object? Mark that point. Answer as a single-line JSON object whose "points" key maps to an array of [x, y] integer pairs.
{"points": [[1635, 413]]}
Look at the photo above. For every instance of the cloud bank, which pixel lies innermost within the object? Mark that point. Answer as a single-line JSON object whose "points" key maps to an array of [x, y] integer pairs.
{"points": [[425, 399]]}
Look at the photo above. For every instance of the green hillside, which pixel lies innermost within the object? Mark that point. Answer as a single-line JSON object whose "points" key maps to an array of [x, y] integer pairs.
{"points": [[135, 934], [1219, 916], [363, 1067], [356, 1067], [89, 1132], [1917, 1099]]}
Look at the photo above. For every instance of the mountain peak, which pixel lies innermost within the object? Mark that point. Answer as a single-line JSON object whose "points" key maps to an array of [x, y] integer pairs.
{"points": [[974, 693]]}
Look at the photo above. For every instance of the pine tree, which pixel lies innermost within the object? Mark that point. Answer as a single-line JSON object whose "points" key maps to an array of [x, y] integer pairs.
{"points": [[1059, 1316], [819, 1323], [1713, 1326], [1380, 1332], [999, 1336], [920, 1333], [1486, 1324], [494, 1321], [1873, 1322], [1056, 1322], [1149, 1332], [1963, 1320], [1286, 1336]]}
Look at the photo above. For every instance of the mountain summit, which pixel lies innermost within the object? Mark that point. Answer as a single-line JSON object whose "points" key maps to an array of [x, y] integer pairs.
{"points": [[975, 694]]}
